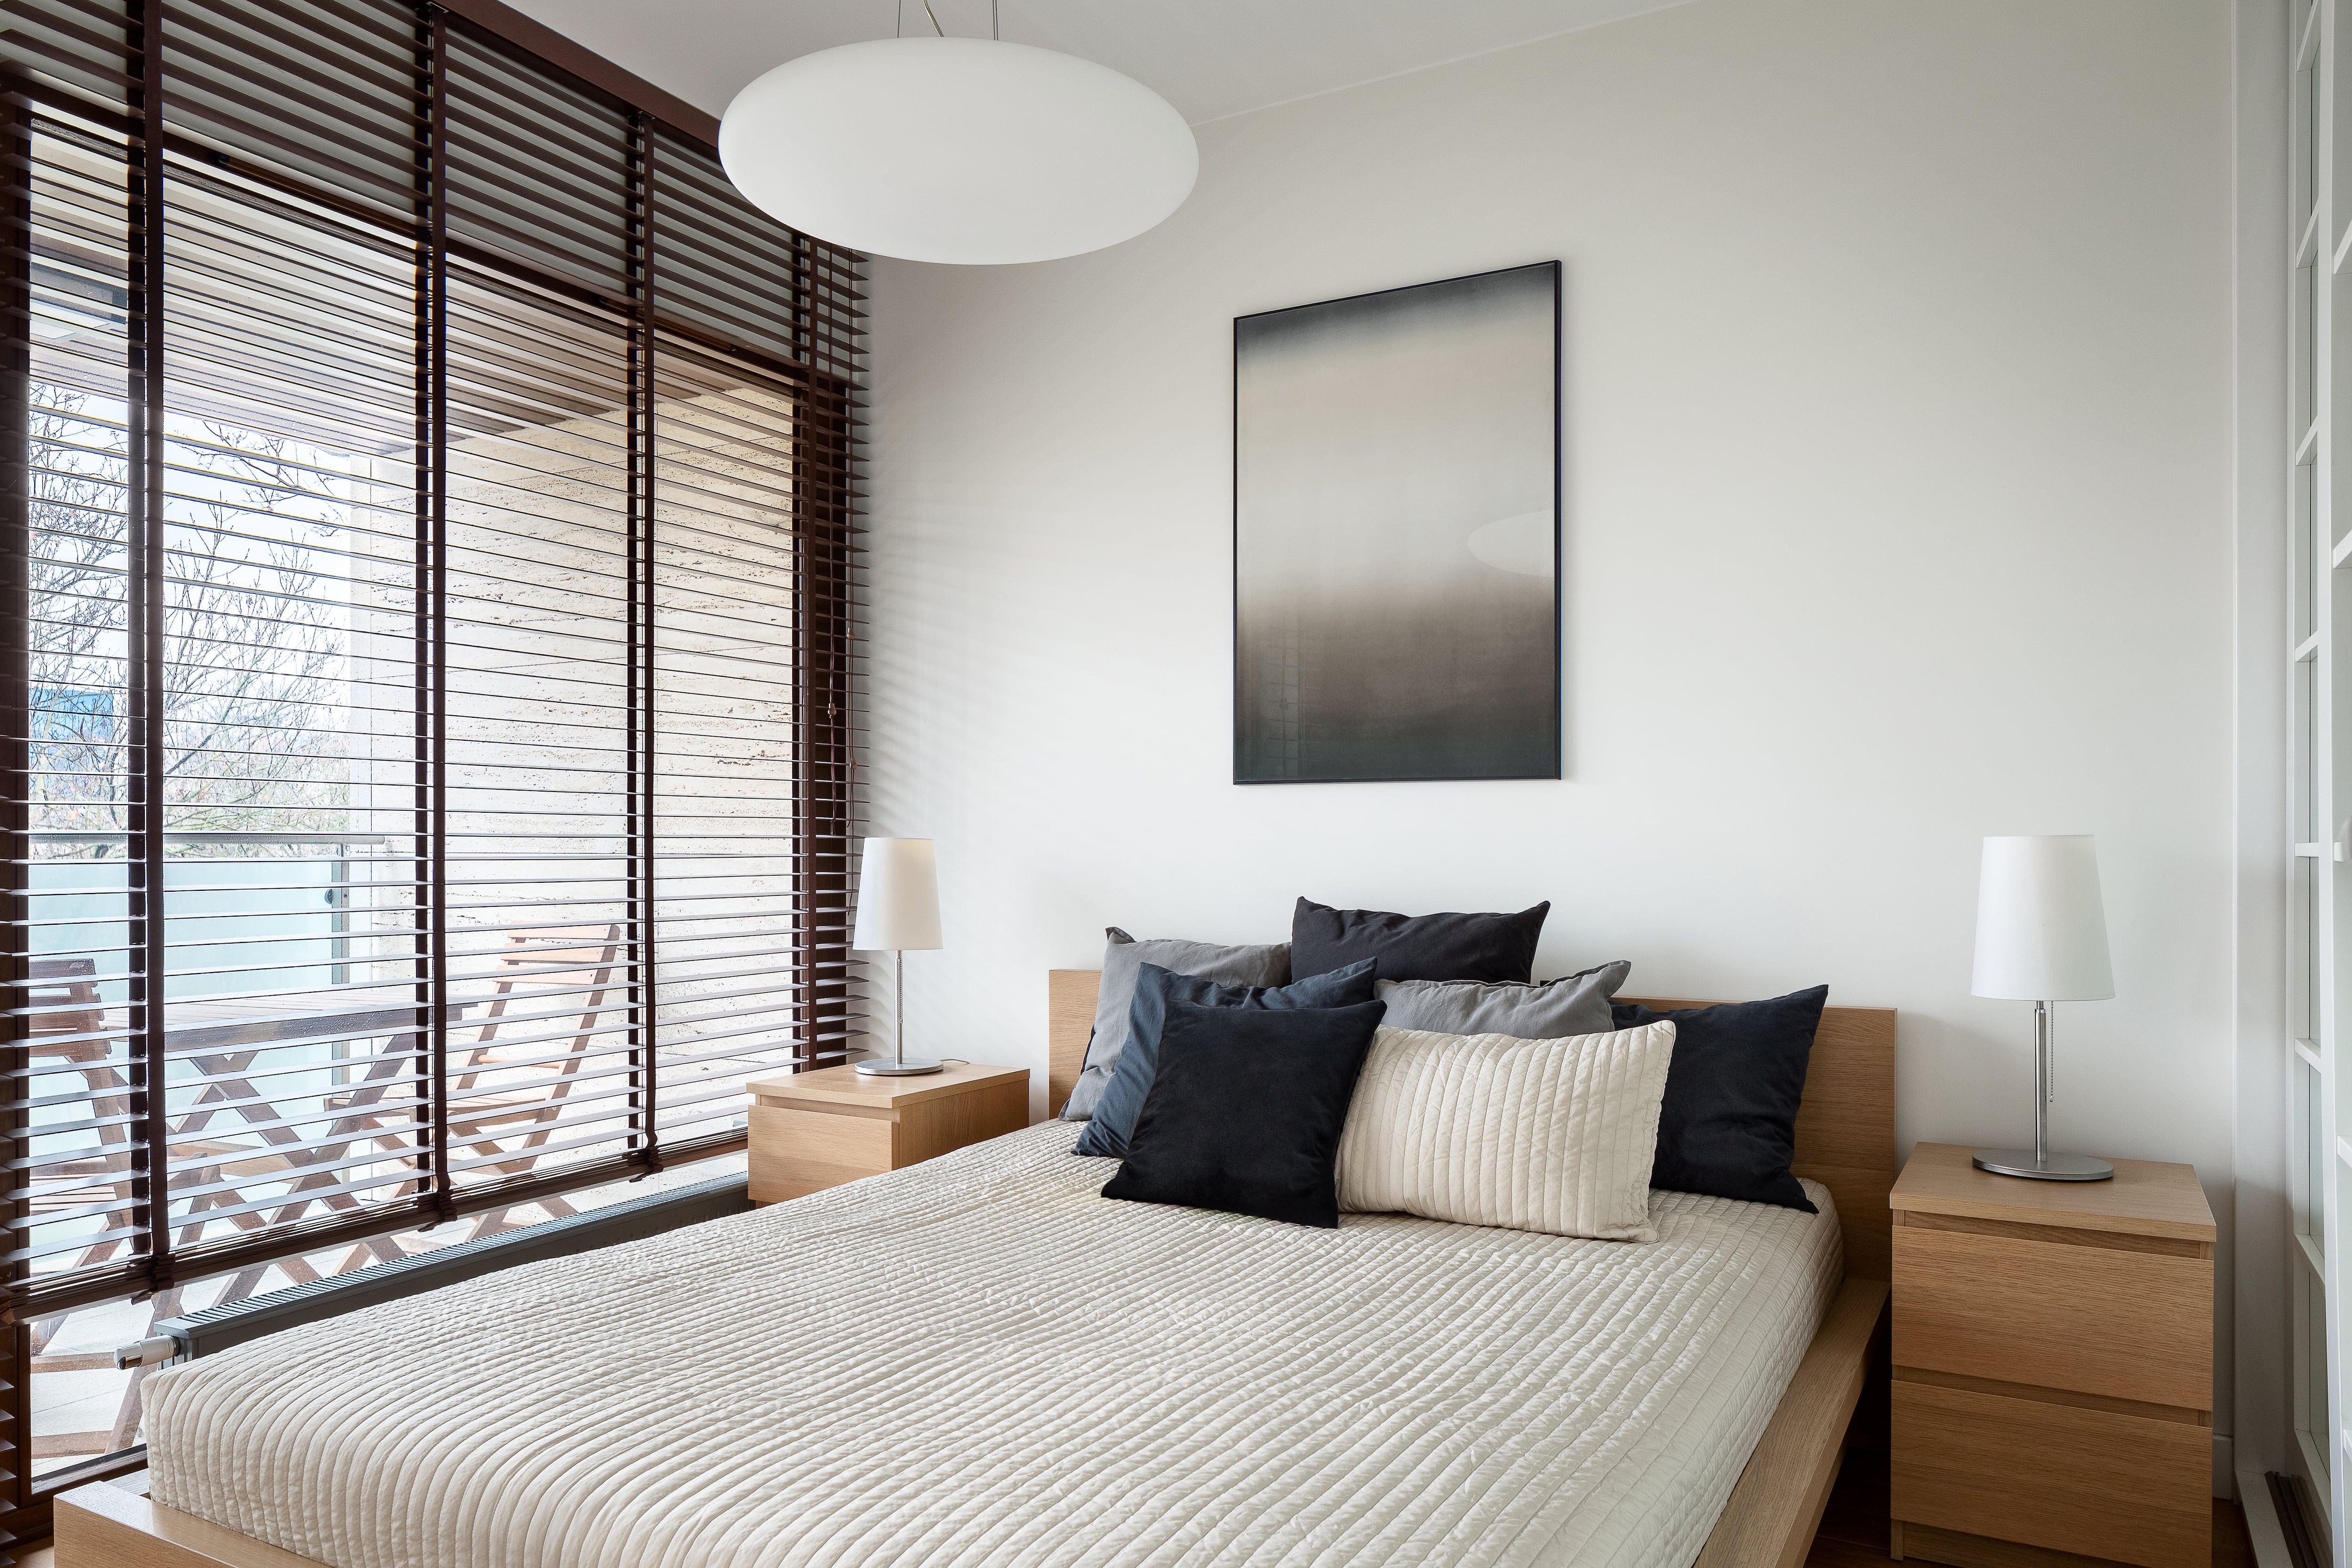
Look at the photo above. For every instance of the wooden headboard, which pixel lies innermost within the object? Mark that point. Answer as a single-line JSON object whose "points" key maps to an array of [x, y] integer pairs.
{"points": [[1845, 1128]]}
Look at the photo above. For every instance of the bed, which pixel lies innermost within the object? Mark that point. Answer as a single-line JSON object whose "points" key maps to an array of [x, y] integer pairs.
{"points": [[980, 1360]]}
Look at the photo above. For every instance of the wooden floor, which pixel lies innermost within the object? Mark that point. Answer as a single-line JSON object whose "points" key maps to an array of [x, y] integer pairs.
{"points": [[1854, 1526]]}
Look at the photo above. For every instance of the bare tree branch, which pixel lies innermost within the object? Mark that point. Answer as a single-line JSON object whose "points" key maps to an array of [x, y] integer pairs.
{"points": [[257, 629]]}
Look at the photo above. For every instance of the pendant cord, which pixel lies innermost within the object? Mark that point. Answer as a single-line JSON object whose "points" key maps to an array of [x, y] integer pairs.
{"points": [[898, 20]]}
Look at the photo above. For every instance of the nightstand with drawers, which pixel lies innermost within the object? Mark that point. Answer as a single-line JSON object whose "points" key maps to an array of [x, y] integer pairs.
{"points": [[810, 1131], [2053, 1367]]}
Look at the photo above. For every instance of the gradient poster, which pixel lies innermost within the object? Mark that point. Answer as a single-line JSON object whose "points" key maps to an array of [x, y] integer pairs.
{"points": [[1396, 534]]}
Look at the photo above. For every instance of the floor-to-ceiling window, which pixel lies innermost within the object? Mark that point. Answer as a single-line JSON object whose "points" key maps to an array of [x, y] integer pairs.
{"points": [[427, 622], [2320, 295]]}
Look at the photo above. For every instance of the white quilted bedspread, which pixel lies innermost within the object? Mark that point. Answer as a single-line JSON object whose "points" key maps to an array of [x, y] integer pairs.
{"points": [[980, 1361]]}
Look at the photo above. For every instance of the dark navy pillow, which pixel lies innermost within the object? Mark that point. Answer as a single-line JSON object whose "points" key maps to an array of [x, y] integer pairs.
{"points": [[1131, 1080], [1247, 1109], [1728, 1123]]}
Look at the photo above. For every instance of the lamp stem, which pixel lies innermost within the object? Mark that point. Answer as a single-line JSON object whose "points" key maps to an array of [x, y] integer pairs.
{"points": [[2038, 1163], [2042, 1083], [899, 1013]]}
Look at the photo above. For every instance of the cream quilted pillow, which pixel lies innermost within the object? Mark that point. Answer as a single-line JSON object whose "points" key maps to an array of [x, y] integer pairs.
{"points": [[1554, 1135]]}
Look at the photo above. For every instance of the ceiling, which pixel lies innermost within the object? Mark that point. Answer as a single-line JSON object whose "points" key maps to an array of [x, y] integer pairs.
{"points": [[1208, 57]]}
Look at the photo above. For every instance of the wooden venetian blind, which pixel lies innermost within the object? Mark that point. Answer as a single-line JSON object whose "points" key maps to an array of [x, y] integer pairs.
{"points": [[429, 615]]}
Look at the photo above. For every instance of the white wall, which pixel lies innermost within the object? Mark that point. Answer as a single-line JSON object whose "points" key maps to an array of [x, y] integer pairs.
{"points": [[2262, 1223], [1899, 490]]}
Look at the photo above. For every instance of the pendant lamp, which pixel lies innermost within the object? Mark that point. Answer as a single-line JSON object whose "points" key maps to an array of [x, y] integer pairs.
{"points": [[957, 150]]}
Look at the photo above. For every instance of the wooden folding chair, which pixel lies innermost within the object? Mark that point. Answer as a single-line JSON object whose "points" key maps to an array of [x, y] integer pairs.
{"points": [[74, 1029], [72, 1026], [498, 1092], [69, 1033]]}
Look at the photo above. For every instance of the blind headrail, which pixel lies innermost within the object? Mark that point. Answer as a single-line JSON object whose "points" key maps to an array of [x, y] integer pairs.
{"points": [[536, 38]]}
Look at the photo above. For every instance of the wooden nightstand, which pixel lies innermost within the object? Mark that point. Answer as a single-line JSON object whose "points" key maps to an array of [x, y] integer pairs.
{"points": [[2054, 1366], [810, 1131]]}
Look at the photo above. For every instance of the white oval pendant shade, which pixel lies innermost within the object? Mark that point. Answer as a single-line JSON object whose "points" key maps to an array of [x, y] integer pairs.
{"points": [[958, 150]]}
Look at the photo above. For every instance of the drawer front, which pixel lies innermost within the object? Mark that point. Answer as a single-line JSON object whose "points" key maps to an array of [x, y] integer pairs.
{"points": [[931, 1127], [2093, 1320], [796, 1152], [2126, 1488]]}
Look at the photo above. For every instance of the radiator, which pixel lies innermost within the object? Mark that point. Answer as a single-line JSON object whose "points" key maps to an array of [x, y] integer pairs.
{"points": [[217, 1327]]}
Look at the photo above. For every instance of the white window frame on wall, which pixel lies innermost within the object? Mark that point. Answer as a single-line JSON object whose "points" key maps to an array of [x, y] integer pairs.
{"points": [[2320, 617]]}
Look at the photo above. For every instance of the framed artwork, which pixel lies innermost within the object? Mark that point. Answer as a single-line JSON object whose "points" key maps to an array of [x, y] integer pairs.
{"points": [[1396, 534]]}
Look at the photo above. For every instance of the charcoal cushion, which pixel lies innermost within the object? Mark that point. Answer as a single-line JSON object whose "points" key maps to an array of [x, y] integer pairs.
{"points": [[1113, 1122], [1246, 1110], [1534, 1010], [1123, 956], [1728, 1126], [1416, 946]]}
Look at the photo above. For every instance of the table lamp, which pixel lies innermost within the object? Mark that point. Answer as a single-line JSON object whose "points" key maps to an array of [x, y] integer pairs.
{"points": [[897, 911], [2042, 937]]}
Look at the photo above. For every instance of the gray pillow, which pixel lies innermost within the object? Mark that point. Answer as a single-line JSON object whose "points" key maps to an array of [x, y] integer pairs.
{"points": [[1125, 959], [1539, 1010]]}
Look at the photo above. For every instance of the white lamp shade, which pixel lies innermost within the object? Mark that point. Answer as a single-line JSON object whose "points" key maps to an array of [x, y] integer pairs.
{"points": [[958, 150], [2041, 929], [897, 897]]}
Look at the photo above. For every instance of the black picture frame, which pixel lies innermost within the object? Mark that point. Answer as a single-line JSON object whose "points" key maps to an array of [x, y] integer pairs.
{"points": [[1435, 661]]}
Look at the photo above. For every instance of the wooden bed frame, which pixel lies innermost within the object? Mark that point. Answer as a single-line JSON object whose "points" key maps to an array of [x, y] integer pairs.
{"points": [[1845, 1141]]}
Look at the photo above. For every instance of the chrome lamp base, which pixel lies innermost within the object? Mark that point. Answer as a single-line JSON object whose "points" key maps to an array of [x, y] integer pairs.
{"points": [[898, 1066], [884, 1067], [2038, 1164], [2044, 1167]]}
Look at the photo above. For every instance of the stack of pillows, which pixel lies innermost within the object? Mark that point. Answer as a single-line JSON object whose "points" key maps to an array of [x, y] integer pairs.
{"points": [[1385, 1062]]}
